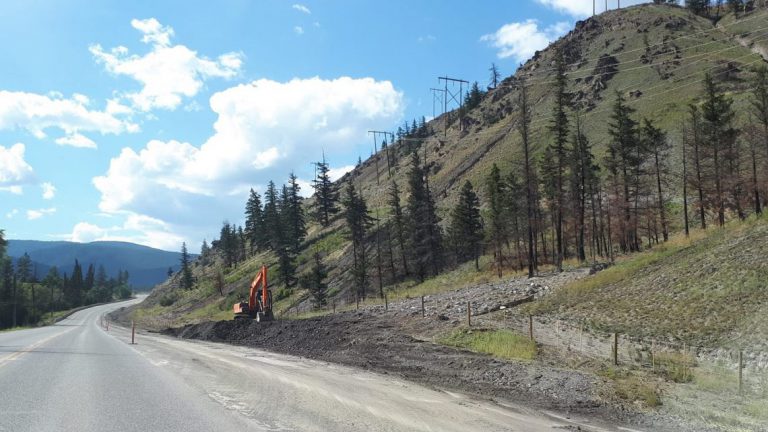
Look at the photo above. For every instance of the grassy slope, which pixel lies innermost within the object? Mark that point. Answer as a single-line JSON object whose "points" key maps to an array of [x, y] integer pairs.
{"points": [[668, 83], [708, 290]]}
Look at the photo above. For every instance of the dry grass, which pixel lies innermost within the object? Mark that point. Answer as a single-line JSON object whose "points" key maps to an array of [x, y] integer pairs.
{"points": [[498, 343]]}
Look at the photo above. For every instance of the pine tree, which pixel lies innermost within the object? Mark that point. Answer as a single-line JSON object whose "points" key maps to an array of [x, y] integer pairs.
{"points": [[497, 227], [695, 140], [530, 183], [76, 286], [558, 151], [326, 195], [254, 223], [760, 101], [495, 76], [3, 244], [318, 288], [623, 163], [398, 224], [24, 268], [292, 214], [422, 224], [358, 222], [717, 114], [583, 182], [205, 251], [272, 224], [186, 271], [228, 243], [655, 142], [466, 227], [90, 278]]}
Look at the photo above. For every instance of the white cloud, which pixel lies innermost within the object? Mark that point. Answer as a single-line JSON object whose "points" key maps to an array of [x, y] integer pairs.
{"points": [[168, 73], [12, 213], [583, 8], [298, 30], [14, 170], [337, 173], [136, 229], [76, 140], [521, 40], [49, 190], [264, 130], [37, 214], [302, 8], [36, 113]]}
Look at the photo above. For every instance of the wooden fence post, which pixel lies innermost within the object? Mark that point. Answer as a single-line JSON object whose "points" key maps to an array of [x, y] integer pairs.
{"points": [[616, 349], [530, 326], [469, 314], [423, 311], [741, 368]]}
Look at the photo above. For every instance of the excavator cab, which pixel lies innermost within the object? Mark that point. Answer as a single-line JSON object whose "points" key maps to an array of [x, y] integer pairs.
{"points": [[259, 304]]}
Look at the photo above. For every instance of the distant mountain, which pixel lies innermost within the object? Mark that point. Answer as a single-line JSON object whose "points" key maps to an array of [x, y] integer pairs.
{"points": [[146, 266]]}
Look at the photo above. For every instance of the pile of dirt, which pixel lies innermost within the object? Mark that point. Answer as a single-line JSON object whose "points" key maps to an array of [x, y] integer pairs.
{"points": [[373, 342]]}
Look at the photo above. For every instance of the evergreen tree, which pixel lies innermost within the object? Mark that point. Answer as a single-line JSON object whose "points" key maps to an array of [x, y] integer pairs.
{"points": [[326, 195], [228, 243], [473, 98], [358, 222], [3, 243], [495, 76], [655, 142], [254, 222], [24, 268], [530, 183], [76, 286], [292, 215], [317, 286], [466, 226], [623, 163], [90, 278], [422, 224], [717, 114], [497, 227], [583, 184], [558, 151], [398, 224], [186, 271], [760, 101], [205, 251]]}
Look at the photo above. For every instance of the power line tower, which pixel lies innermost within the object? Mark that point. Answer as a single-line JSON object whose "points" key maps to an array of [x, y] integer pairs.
{"points": [[452, 94], [438, 98], [385, 135]]}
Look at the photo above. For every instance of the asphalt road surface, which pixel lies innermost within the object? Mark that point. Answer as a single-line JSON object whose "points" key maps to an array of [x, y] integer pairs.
{"points": [[77, 376]]}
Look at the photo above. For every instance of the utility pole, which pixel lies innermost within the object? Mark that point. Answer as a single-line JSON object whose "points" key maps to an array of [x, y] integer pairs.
{"points": [[438, 96], [451, 95], [376, 135]]}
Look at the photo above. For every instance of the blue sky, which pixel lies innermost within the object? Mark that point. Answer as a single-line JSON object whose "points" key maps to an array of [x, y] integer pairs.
{"points": [[149, 121]]}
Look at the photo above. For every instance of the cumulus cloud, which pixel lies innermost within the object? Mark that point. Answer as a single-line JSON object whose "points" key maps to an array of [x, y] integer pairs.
{"points": [[49, 190], [583, 8], [36, 113], [302, 8], [168, 73], [11, 214], [520, 40], [298, 30], [37, 214], [264, 130], [14, 170]]}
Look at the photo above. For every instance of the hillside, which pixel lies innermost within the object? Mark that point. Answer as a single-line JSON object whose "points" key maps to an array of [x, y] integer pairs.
{"points": [[707, 291], [655, 55], [146, 266]]}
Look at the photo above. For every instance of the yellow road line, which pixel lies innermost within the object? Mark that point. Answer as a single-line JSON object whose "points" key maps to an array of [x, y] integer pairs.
{"points": [[15, 355]]}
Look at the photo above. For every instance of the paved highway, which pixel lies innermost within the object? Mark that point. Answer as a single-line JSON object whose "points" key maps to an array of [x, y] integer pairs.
{"points": [[75, 376]]}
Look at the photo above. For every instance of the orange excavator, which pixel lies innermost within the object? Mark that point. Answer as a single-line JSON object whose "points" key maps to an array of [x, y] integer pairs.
{"points": [[259, 304]]}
